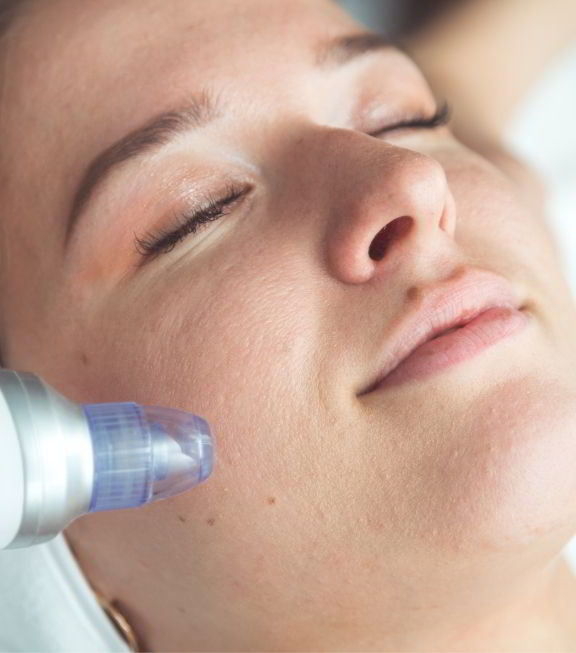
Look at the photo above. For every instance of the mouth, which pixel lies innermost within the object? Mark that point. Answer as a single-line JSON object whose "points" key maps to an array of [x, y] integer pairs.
{"points": [[457, 345], [452, 323], [445, 333]]}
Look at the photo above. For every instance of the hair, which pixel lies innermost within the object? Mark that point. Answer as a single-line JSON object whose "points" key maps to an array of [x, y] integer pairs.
{"points": [[8, 9]]}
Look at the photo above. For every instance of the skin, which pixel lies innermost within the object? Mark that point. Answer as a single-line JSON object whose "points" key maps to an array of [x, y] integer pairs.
{"points": [[427, 517]]}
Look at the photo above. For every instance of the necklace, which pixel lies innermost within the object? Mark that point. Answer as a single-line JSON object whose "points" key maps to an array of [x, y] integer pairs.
{"points": [[119, 621]]}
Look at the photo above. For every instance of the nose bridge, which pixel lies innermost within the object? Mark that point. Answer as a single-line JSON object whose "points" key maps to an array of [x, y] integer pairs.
{"points": [[370, 173], [381, 194]]}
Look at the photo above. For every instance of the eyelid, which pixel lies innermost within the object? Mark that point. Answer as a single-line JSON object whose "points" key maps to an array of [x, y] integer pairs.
{"points": [[211, 205], [440, 117]]}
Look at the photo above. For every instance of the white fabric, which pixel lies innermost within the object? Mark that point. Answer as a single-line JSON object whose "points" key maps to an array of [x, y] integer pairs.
{"points": [[46, 604], [569, 554], [542, 132]]}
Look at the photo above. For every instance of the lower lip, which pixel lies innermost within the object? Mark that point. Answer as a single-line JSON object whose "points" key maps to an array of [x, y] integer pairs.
{"points": [[479, 334]]}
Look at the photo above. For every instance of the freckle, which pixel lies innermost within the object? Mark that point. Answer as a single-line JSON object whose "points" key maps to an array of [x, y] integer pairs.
{"points": [[210, 521], [181, 609], [271, 500], [181, 518], [84, 358], [412, 293]]}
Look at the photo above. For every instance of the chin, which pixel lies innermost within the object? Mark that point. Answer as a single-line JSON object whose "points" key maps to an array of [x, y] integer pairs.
{"points": [[506, 482]]}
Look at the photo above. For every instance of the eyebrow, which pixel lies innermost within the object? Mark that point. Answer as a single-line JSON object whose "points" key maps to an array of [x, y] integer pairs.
{"points": [[198, 112], [343, 49]]}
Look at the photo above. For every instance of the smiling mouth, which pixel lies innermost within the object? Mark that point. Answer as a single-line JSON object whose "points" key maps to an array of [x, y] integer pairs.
{"points": [[447, 331], [479, 333]]}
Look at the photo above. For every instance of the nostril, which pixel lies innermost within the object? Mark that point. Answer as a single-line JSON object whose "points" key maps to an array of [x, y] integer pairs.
{"points": [[383, 239]]}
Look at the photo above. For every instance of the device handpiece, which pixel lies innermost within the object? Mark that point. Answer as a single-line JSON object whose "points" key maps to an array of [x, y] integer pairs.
{"points": [[60, 460]]}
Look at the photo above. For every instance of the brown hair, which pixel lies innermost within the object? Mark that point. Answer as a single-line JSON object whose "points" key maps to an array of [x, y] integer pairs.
{"points": [[8, 12], [8, 9]]}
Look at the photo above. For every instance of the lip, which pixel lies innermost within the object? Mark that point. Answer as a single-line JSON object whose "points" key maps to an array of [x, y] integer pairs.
{"points": [[442, 307]]}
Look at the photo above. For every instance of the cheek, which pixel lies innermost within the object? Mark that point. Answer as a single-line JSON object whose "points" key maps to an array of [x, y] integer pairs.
{"points": [[499, 228], [509, 482], [238, 347], [495, 219], [242, 349], [480, 462]]}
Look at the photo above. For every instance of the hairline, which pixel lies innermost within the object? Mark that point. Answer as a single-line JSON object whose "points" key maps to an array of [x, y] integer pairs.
{"points": [[9, 13]]}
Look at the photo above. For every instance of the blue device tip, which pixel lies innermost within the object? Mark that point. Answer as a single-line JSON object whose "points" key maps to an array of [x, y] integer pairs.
{"points": [[145, 453]]}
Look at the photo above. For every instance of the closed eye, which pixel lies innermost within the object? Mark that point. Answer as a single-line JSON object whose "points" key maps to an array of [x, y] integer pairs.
{"points": [[440, 118], [164, 242]]}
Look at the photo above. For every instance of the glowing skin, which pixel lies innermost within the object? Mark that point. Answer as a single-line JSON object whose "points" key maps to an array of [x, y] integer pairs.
{"points": [[428, 517]]}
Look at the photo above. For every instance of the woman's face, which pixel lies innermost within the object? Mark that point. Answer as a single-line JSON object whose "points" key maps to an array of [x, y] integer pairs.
{"points": [[326, 506]]}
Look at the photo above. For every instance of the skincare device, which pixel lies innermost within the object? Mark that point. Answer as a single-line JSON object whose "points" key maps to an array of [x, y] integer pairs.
{"points": [[60, 460]]}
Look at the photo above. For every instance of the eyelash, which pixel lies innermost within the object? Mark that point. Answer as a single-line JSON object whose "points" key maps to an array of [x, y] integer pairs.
{"points": [[440, 118], [164, 241]]}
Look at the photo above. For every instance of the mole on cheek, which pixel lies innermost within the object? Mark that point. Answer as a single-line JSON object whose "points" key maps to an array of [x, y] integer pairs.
{"points": [[271, 500], [210, 521], [84, 358]]}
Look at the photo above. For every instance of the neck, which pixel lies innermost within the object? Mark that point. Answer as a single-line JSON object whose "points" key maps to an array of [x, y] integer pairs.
{"points": [[538, 616]]}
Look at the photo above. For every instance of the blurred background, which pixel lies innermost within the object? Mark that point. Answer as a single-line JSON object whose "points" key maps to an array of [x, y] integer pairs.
{"points": [[395, 18]]}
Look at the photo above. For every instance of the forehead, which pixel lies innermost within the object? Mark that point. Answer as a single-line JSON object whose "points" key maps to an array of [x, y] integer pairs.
{"points": [[69, 51], [93, 69]]}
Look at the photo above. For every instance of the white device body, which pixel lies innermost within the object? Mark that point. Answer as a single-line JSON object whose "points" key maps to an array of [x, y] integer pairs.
{"points": [[60, 460]]}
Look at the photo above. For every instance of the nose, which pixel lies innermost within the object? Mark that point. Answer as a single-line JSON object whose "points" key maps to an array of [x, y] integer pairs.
{"points": [[389, 205]]}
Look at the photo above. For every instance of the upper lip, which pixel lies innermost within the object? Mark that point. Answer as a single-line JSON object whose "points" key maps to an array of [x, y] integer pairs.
{"points": [[440, 308]]}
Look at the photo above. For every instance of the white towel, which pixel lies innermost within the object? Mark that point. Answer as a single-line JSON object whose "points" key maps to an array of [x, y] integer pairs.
{"points": [[543, 132], [47, 605]]}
